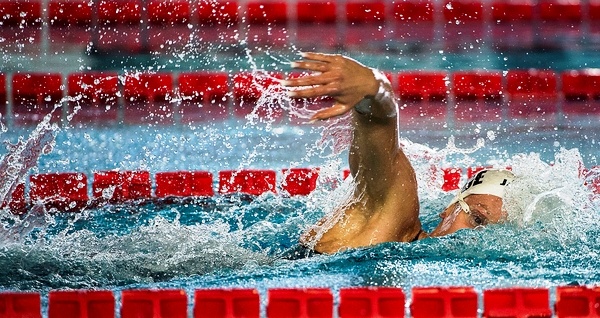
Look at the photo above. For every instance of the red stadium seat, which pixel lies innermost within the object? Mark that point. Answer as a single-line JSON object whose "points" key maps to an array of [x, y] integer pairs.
{"points": [[423, 85], [16, 203], [35, 95], [371, 302], [62, 191], [81, 303], [452, 177], [322, 12], [70, 13], [516, 302], [147, 98], [510, 11], [577, 301], [310, 302], [358, 12], [248, 88], [456, 11], [184, 184], [97, 94], [20, 305], [120, 12], [153, 303], [300, 181], [474, 85], [121, 186], [443, 302], [169, 12], [205, 96], [267, 12], [560, 11], [253, 182], [20, 13], [224, 303]]}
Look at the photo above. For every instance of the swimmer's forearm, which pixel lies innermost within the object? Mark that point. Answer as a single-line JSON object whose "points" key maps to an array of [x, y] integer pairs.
{"points": [[382, 104]]}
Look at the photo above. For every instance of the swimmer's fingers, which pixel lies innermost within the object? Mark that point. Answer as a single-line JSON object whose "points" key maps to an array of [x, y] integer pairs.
{"points": [[313, 91], [322, 57], [314, 66], [336, 110], [311, 80]]}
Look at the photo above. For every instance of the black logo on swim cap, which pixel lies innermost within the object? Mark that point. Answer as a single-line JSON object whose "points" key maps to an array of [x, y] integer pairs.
{"points": [[478, 179]]}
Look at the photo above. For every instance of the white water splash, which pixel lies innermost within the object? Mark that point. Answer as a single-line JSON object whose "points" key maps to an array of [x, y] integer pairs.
{"points": [[24, 155], [554, 195]]}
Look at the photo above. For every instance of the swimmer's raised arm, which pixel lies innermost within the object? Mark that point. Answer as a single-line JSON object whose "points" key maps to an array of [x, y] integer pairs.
{"points": [[387, 204]]}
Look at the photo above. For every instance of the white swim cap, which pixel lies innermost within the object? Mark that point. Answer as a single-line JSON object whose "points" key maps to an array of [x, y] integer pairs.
{"points": [[488, 181]]}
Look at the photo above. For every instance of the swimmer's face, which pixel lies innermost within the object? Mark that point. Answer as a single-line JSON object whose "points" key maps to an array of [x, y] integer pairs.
{"points": [[485, 209]]}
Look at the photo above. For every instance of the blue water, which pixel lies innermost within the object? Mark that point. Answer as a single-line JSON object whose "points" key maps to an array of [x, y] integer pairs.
{"points": [[236, 240]]}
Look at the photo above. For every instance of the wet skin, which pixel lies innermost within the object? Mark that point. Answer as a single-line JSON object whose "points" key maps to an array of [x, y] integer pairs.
{"points": [[485, 209], [384, 206]]}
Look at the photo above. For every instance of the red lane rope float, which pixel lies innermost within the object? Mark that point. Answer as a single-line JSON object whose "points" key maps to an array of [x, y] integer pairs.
{"points": [[34, 95], [68, 192], [129, 12], [452, 301], [62, 191], [371, 302], [184, 184], [20, 304], [154, 303], [121, 186], [443, 302], [253, 182], [516, 302], [226, 303], [81, 303], [577, 301], [167, 98], [308, 302]]}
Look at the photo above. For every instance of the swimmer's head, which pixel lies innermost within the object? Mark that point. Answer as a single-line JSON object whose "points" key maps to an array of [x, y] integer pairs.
{"points": [[478, 203]]}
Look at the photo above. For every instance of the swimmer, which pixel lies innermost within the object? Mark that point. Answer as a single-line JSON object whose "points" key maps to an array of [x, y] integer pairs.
{"points": [[386, 205]]}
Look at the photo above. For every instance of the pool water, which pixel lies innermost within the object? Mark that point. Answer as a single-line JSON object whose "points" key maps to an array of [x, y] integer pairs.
{"points": [[236, 240]]}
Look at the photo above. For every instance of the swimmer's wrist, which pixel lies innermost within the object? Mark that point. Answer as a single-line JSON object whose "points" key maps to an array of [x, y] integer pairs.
{"points": [[381, 104]]}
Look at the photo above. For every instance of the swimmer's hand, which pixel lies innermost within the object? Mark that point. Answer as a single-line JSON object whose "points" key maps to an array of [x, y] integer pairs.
{"points": [[342, 78]]}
